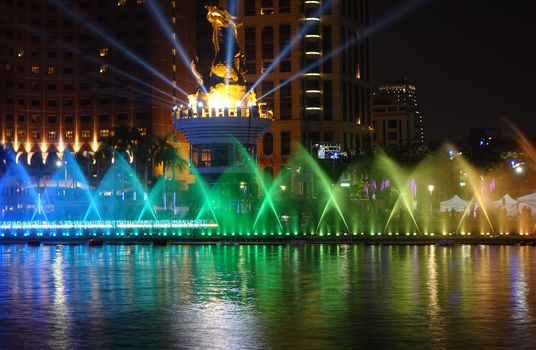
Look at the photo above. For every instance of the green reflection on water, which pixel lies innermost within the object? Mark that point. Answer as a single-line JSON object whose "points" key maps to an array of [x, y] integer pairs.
{"points": [[316, 296]]}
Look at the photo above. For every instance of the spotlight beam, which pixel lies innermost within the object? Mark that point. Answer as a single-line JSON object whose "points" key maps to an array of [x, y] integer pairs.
{"points": [[112, 67], [166, 28], [108, 38], [230, 45], [391, 17], [286, 50], [139, 81], [165, 102]]}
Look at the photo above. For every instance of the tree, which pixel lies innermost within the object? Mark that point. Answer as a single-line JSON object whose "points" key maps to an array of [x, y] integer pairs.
{"points": [[144, 152], [167, 155]]}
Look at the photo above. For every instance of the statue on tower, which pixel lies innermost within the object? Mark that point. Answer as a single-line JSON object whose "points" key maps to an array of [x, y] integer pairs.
{"points": [[225, 85]]}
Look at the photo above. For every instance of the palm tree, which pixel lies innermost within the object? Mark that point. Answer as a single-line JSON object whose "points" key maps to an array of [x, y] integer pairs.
{"points": [[145, 151], [167, 155], [124, 141]]}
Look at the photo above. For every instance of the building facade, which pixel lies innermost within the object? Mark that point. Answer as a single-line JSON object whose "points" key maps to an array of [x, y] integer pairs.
{"points": [[397, 118], [309, 62], [72, 71]]}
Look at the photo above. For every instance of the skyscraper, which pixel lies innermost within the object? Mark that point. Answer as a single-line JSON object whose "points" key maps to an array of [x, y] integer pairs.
{"points": [[308, 61], [72, 71], [397, 118]]}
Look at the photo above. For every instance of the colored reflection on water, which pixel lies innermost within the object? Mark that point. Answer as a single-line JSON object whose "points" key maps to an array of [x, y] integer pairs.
{"points": [[317, 296]]}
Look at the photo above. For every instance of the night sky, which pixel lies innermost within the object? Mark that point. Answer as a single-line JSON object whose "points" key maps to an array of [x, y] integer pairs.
{"points": [[472, 61]]}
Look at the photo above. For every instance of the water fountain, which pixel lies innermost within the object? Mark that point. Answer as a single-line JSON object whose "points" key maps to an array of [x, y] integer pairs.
{"points": [[230, 195], [375, 198]]}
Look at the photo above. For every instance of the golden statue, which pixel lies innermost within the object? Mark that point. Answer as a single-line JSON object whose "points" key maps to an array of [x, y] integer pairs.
{"points": [[225, 86]]}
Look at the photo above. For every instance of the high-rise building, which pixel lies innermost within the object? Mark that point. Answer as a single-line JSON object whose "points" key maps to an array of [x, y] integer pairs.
{"points": [[396, 115], [72, 71], [310, 63]]}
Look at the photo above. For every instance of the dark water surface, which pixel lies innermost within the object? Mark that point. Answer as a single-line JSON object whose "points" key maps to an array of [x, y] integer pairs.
{"points": [[233, 297]]}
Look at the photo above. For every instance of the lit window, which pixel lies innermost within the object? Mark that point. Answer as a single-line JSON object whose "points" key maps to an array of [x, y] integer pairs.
{"points": [[103, 52], [86, 134], [20, 53], [103, 68], [35, 135], [35, 69], [121, 2], [51, 70], [173, 68], [139, 2], [173, 4], [173, 20], [69, 134], [143, 131], [104, 132], [52, 135], [173, 52]]}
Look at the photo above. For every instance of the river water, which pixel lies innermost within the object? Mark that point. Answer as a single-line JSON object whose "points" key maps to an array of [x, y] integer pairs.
{"points": [[280, 297]]}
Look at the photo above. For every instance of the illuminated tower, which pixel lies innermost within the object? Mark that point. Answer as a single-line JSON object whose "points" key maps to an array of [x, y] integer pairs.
{"points": [[223, 120]]}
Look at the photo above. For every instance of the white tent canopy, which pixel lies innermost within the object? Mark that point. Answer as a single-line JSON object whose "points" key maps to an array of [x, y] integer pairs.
{"points": [[455, 203], [509, 204], [528, 198], [528, 201]]}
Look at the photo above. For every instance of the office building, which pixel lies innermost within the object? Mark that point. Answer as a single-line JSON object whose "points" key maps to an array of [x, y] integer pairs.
{"points": [[397, 118], [72, 71]]}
